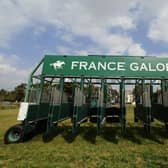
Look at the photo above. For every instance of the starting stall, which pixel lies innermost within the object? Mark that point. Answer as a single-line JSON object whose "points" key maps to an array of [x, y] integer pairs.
{"points": [[151, 104], [79, 88], [160, 103], [143, 109]]}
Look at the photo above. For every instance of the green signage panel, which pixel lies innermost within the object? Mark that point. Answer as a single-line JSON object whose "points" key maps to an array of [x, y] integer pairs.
{"points": [[106, 66]]}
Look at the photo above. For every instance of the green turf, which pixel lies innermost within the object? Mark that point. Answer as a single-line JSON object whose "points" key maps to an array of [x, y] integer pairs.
{"points": [[86, 149]]}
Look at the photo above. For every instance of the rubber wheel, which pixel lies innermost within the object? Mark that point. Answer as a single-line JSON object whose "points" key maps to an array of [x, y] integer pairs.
{"points": [[14, 134]]}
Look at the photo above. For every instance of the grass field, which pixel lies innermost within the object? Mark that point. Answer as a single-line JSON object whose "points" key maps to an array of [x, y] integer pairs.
{"points": [[86, 149]]}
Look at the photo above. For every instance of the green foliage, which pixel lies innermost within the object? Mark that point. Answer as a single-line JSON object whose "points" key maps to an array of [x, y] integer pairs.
{"points": [[15, 95], [20, 92], [87, 150]]}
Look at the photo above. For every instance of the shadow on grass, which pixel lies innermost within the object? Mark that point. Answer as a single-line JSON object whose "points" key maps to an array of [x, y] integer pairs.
{"points": [[110, 134], [89, 134], [132, 134], [156, 134], [135, 134], [68, 135], [50, 134]]}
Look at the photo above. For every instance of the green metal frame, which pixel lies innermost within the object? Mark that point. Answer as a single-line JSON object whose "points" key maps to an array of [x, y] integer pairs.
{"points": [[80, 112], [119, 68], [122, 106], [101, 108], [159, 111]]}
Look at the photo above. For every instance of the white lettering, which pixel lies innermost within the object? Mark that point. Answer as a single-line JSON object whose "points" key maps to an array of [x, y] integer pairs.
{"points": [[92, 66], [166, 66], [101, 66], [150, 68], [111, 66], [160, 67], [83, 65], [74, 64], [143, 67], [120, 66], [134, 66]]}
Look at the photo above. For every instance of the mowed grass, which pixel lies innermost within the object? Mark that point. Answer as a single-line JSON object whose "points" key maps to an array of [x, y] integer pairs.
{"points": [[87, 149]]}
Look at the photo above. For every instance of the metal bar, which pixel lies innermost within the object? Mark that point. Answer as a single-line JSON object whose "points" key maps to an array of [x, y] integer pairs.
{"points": [[41, 89], [28, 88], [136, 92], [82, 120], [82, 87], [30, 81], [61, 96], [100, 112], [79, 100], [143, 90], [109, 77], [122, 107]]}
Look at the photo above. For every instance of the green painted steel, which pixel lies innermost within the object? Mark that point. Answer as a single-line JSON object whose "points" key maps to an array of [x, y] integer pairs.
{"points": [[54, 67], [101, 107], [66, 112], [122, 107], [32, 112], [105, 66]]}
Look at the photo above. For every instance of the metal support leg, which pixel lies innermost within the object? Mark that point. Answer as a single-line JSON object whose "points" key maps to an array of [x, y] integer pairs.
{"points": [[122, 107], [147, 111], [101, 106], [151, 97], [136, 102], [78, 104], [51, 127]]}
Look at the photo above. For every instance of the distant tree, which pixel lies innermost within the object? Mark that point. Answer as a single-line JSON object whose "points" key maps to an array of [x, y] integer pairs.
{"points": [[2, 94], [11, 96], [20, 92]]}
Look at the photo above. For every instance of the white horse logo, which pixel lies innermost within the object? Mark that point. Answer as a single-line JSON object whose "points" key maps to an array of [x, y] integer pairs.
{"points": [[58, 64]]}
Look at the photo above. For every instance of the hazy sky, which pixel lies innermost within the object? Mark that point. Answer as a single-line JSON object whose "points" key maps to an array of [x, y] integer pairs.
{"points": [[29, 29]]}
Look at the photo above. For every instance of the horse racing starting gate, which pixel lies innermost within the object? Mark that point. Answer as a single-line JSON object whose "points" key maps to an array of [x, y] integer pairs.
{"points": [[78, 88]]}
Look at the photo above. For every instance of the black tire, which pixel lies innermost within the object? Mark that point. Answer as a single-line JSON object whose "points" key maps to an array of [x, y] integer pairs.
{"points": [[14, 134]]}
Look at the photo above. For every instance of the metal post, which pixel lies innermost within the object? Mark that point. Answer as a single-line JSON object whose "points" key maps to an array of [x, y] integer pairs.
{"points": [[100, 109], [90, 92], [136, 93], [146, 111], [82, 87], [90, 97], [152, 99], [143, 89], [40, 96], [122, 107], [61, 96], [136, 102], [41, 90], [162, 89], [28, 89], [78, 104]]}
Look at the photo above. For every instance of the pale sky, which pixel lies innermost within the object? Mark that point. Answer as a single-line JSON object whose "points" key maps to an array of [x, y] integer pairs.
{"points": [[29, 29]]}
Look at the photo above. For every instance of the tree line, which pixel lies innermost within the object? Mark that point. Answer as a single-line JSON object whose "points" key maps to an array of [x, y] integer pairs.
{"points": [[15, 95]]}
